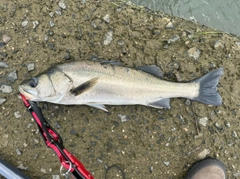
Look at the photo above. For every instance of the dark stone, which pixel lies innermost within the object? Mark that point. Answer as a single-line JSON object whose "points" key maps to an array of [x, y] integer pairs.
{"points": [[51, 45], [2, 44], [3, 54], [73, 132]]}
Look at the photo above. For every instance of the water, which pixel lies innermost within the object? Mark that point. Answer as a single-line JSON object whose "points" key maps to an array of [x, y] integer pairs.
{"points": [[219, 14]]}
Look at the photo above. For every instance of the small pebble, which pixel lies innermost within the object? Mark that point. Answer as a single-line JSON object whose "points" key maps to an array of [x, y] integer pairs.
{"points": [[55, 176], [194, 52], [108, 38], [217, 125], [170, 25], [51, 14], [43, 170], [3, 65], [51, 23], [106, 18], [58, 12], [173, 39], [151, 169], [166, 163], [218, 45], [188, 102], [24, 23], [227, 124], [6, 89], [6, 39], [62, 4], [203, 154], [21, 167], [36, 140], [120, 42], [17, 114], [12, 76], [99, 160], [35, 24], [234, 134], [203, 121], [123, 117], [2, 100], [18, 151], [2, 44], [73, 132], [30, 66]]}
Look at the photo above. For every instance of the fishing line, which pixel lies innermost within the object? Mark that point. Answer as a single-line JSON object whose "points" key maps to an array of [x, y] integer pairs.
{"points": [[118, 168]]}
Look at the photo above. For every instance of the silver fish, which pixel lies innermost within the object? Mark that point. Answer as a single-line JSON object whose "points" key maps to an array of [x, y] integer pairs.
{"points": [[96, 84]]}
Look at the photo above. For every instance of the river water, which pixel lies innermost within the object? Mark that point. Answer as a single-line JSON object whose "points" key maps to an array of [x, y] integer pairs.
{"points": [[219, 14]]}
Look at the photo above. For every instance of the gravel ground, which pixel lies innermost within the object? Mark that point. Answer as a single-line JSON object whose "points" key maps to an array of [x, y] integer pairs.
{"points": [[144, 142]]}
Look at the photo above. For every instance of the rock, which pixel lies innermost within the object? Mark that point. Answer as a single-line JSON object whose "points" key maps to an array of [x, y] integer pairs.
{"points": [[234, 134], [30, 66], [108, 37], [203, 121], [6, 89], [51, 14], [203, 154], [2, 100], [120, 43], [123, 117], [21, 167], [58, 12], [17, 114], [218, 45], [170, 25], [73, 132], [6, 39], [55, 176], [18, 151], [194, 52], [3, 65], [43, 170], [62, 4], [167, 163], [106, 18], [2, 44], [188, 102], [51, 23], [173, 39], [12, 76], [35, 24], [3, 54], [227, 124], [24, 23]]}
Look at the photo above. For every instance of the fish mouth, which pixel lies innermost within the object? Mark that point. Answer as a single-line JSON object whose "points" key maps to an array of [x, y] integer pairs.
{"points": [[26, 93]]}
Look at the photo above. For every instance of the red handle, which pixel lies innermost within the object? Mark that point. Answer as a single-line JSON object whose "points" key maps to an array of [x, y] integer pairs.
{"points": [[79, 165]]}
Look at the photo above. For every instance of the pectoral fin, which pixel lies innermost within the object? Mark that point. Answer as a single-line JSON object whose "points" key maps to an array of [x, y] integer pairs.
{"points": [[84, 87], [162, 103], [99, 106]]}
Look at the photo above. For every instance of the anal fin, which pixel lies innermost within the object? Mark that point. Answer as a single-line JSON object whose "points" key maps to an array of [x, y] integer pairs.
{"points": [[162, 103], [84, 86], [99, 106]]}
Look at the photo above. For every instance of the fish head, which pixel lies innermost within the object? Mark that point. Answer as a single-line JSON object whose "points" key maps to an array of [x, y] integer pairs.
{"points": [[50, 87], [37, 89]]}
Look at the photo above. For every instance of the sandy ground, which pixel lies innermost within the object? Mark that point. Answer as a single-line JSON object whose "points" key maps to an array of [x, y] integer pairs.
{"points": [[152, 143]]}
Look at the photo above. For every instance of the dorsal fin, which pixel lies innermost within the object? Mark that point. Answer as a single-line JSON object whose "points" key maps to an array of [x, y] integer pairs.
{"points": [[152, 69]]}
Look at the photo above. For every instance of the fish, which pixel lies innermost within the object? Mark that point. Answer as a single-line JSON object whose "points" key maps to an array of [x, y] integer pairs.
{"points": [[97, 84]]}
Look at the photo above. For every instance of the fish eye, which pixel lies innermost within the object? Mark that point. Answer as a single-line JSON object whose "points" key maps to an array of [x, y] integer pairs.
{"points": [[33, 82]]}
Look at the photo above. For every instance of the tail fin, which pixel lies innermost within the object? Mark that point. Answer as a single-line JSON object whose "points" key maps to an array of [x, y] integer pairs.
{"points": [[208, 88]]}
